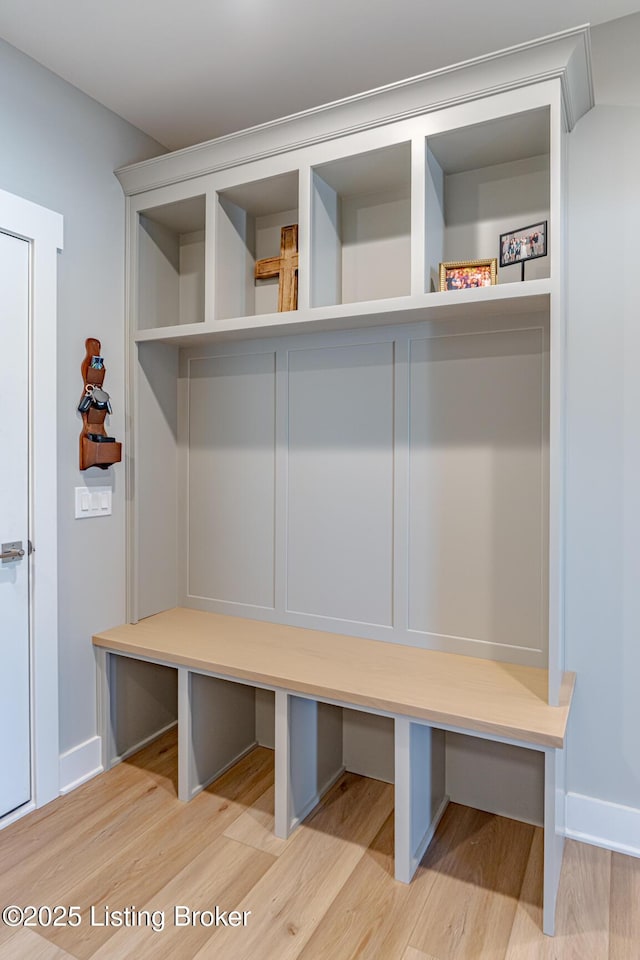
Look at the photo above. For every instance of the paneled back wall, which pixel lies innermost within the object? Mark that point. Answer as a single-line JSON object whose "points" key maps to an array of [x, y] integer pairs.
{"points": [[388, 483]]}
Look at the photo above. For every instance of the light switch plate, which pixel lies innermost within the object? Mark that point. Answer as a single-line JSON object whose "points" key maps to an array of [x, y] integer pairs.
{"points": [[93, 502]]}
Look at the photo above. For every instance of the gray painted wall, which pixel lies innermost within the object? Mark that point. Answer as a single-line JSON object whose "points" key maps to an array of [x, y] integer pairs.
{"points": [[603, 427], [59, 149]]}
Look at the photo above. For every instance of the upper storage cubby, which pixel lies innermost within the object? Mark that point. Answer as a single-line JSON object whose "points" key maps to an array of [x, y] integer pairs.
{"points": [[484, 180], [384, 187], [250, 218], [361, 227], [171, 264]]}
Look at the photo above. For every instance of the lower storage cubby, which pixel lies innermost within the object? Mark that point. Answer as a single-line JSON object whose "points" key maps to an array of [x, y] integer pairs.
{"points": [[317, 745], [221, 725], [315, 742], [144, 703], [218, 717], [362, 741], [368, 744]]}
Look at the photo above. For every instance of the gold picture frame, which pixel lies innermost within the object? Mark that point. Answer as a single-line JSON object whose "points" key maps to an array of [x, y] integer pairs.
{"points": [[468, 274]]}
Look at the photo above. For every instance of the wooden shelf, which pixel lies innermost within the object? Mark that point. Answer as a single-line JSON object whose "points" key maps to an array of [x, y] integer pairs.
{"points": [[531, 296], [474, 695]]}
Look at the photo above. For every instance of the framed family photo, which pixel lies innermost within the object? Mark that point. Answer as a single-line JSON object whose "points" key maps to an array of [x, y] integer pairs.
{"points": [[525, 243], [467, 274]]}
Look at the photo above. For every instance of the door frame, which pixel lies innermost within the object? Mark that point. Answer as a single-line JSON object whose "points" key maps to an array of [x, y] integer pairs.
{"points": [[43, 230]]}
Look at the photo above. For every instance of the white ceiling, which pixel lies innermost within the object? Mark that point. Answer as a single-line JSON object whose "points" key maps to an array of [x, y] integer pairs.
{"points": [[189, 70]]}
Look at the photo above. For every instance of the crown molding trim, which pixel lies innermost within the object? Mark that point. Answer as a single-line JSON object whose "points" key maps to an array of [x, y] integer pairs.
{"points": [[564, 56]]}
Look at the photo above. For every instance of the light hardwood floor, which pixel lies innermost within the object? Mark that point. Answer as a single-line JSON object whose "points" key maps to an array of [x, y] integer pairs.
{"points": [[327, 893]]}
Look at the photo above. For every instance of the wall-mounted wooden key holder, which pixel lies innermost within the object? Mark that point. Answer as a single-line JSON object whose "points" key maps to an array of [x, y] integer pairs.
{"points": [[97, 449]]}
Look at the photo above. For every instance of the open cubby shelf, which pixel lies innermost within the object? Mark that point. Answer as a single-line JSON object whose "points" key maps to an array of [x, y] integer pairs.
{"points": [[249, 219], [484, 180], [171, 264], [363, 228]]}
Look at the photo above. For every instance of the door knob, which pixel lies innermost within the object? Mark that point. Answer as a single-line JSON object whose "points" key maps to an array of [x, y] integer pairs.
{"points": [[12, 551]]}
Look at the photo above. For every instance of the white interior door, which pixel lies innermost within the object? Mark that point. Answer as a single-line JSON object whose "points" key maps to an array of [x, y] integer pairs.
{"points": [[15, 734]]}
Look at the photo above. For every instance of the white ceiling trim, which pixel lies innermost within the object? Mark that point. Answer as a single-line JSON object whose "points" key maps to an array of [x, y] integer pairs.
{"points": [[565, 55]]}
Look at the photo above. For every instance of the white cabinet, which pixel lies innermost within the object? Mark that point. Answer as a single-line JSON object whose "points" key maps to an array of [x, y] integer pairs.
{"points": [[386, 460]]}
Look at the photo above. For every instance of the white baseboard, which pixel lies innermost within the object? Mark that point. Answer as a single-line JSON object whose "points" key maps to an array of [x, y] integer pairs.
{"points": [[603, 824], [80, 764], [22, 811]]}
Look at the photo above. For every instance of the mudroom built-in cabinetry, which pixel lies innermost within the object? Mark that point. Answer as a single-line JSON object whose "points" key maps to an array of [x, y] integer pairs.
{"points": [[382, 463]]}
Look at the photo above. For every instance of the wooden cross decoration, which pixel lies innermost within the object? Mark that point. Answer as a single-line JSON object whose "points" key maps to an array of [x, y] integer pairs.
{"points": [[285, 267]]}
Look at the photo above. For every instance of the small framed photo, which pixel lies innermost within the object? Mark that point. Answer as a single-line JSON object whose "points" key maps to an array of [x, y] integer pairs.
{"points": [[525, 243], [467, 274]]}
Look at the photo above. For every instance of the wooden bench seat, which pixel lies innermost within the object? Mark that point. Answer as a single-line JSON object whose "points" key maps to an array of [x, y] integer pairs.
{"points": [[442, 688], [424, 691]]}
